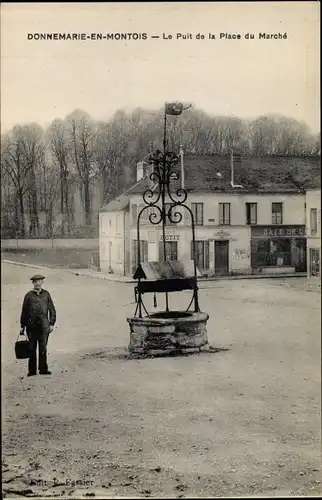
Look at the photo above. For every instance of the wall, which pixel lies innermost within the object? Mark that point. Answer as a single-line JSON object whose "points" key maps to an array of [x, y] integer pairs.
{"points": [[69, 243], [112, 241], [293, 207], [313, 200], [127, 245]]}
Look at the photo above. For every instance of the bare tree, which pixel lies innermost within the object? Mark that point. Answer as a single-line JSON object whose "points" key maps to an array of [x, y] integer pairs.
{"points": [[317, 144], [110, 154], [279, 135], [82, 139], [21, 150], [9, 205], [34, 151], [59, 145], [49, 174]]}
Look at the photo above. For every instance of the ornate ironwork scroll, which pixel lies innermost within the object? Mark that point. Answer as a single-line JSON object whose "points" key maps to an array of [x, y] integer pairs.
{"points": [[164, 206]]}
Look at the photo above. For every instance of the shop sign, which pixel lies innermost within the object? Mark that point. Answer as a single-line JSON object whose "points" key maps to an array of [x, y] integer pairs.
{"points": [[170, 237], [278, 231]]}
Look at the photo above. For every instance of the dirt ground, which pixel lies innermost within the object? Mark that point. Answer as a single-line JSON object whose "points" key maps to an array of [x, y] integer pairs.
{"points": [[240, 422]]}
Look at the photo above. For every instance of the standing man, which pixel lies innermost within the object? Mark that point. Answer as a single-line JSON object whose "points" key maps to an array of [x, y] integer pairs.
{"points": [[38, 316]]}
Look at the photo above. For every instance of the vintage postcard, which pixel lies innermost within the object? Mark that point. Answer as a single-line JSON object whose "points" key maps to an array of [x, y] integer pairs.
{"points": [[161, 249]]}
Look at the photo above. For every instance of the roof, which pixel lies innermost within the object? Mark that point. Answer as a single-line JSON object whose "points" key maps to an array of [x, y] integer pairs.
{"points": [[140, 186], [262, 174], [116, 205], [121, 202]]}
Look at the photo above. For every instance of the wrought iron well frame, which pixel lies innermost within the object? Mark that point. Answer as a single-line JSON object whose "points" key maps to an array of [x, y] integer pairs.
{"points": [[162, 175]]}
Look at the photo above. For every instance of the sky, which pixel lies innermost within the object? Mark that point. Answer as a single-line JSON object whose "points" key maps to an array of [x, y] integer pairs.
{"points": [[42, 79]]}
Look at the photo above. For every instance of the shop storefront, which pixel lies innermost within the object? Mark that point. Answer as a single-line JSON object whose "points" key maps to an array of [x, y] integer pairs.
{"points": [[216, 252], [278, 246]]}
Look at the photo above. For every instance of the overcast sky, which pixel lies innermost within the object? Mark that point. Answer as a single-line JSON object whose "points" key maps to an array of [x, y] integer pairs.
{"points": [[43, 80]]}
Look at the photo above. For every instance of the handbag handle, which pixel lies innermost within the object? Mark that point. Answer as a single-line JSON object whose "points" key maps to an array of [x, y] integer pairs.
{"points": [[23, 334]]}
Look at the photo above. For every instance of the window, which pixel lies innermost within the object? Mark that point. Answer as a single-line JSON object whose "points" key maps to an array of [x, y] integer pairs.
{"points": [[251, 213], [224, 214], [313, 220], [143, 253], [202, 254], [277, 213], [275, 253], [197, 210], [171, 250]]}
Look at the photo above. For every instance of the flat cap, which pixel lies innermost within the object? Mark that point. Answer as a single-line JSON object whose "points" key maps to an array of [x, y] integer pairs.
{"points": [[37, 277]]}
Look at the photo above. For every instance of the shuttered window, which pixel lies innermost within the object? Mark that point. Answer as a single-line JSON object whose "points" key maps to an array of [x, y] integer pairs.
{"points": [[224, 214], [197, 210], [202, 254], [251, 213], [171, 250], [277, 213], [314, 220]]}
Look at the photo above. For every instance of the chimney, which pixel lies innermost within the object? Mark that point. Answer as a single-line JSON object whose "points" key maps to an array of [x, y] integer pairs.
{"points": [[181, 167], [139, 170]]}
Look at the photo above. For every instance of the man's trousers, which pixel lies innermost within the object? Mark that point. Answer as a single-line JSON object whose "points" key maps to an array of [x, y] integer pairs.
{"points": [[38, 336]]}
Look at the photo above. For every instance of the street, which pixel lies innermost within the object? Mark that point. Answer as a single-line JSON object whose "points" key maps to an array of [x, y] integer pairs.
{"points": [[241, 421]]}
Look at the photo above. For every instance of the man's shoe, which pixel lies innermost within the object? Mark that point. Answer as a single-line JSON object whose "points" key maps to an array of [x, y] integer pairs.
{"points": [[31, 374], [45, 373]]}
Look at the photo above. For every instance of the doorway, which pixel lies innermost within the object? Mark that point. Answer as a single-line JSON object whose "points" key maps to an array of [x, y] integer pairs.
{"points": [[222, 257], [299, 259]]}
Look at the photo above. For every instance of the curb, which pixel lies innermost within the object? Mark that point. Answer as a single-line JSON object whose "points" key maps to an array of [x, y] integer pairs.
{"points": [[129, 280], [254, 277], [70, 271], [24, 264]]}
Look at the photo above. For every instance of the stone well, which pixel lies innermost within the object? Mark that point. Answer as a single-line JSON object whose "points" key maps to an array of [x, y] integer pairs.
{"points": [[168, 331]]}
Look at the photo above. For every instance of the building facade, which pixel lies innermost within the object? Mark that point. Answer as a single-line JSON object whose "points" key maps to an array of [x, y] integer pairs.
{"points": [[313, 225], [238, 230], [114, 250], [236, 233]]}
